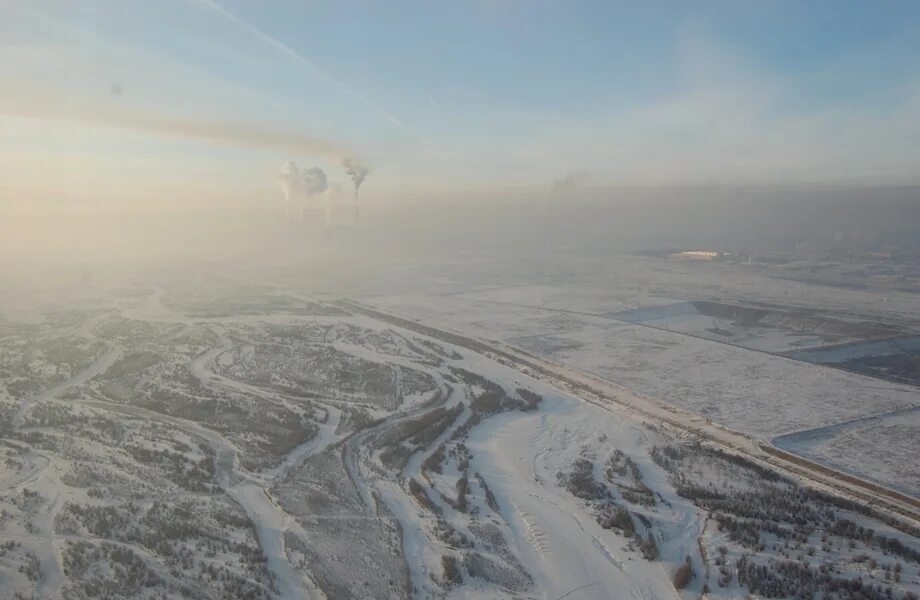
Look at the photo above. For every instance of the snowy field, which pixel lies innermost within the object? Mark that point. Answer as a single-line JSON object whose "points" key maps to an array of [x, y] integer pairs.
{"points": [[767, 330], [753, 392], [756, 393], [883, 449], [213, 437]]}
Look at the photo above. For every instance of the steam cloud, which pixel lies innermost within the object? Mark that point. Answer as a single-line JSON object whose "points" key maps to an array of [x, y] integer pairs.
{"points": [[567, 183], [356, 172], [299, 187], [314, 180]]}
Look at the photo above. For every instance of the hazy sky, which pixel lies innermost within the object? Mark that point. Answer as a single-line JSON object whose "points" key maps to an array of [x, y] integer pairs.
{"points": [[179, 102]]}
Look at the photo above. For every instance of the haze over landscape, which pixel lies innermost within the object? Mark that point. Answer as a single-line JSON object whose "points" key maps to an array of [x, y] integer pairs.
{"points": [[482, 300]]}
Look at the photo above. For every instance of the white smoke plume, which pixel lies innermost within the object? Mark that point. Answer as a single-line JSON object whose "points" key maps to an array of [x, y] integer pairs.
{"points": [[568, 183], [562, 189], [314, 180], [300, 187], [356, 171]]}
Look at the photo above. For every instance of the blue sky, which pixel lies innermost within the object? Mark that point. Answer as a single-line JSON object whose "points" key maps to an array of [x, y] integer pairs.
{"points": [[201, 96]]}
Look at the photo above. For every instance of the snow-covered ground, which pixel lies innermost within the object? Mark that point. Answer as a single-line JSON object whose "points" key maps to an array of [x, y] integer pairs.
{"points": [[249, 440], [882, 448], [746, 390], [563, 545]]}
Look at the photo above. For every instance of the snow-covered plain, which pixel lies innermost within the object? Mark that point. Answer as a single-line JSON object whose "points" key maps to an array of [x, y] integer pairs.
{"points": [[887, 447], [566, 319], [236, 439]]}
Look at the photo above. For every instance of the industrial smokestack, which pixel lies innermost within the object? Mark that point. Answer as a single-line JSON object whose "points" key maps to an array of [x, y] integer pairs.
{"points": [[357, 172], [292, 183]]}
